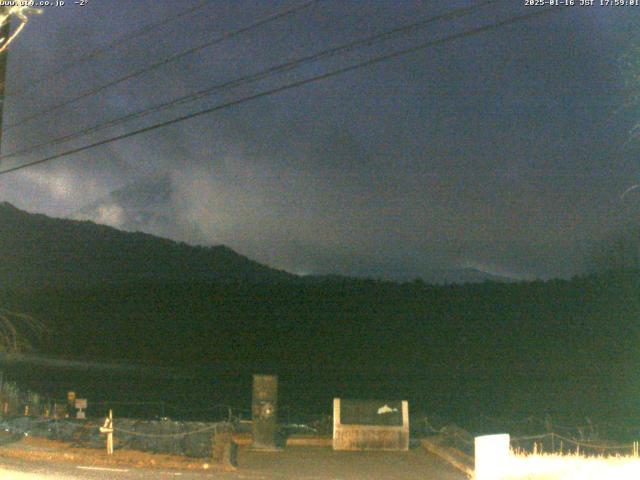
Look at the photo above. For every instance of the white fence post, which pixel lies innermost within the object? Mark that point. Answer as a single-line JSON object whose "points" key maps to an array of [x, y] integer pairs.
{"points": [[108, 429], [492, 456]]}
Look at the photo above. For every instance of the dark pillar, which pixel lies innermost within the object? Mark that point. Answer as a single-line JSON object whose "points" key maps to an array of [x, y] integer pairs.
{"points": [[264, 412]]}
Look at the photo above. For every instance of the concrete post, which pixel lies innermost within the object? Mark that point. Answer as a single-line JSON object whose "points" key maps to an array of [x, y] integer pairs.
{"points": [[264, 410]]}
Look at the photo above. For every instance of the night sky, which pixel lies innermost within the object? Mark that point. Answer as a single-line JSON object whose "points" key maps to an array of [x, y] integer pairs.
{"points": [[507, 151]]}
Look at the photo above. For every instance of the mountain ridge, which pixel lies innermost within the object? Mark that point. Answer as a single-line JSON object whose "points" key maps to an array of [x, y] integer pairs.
{"points": [[332, 328], [80, 251], [40, 250]]}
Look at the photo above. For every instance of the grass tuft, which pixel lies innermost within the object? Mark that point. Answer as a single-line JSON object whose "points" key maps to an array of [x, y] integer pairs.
{"points": [[524, 466]]}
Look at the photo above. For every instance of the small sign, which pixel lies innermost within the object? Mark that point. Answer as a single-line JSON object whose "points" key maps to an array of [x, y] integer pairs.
{"points": [[386, 409], [81, 405], [371, 412]]}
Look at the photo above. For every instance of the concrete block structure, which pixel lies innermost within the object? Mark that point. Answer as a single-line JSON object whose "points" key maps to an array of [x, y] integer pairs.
{"points": [[370, 425]]}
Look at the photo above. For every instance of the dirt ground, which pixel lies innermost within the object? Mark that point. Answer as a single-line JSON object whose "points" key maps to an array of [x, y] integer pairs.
{"points": [[38, 449], [295, 462]]}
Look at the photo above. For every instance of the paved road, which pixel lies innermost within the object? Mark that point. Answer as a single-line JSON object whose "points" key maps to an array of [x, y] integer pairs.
{"points": [[325, 464], [294, 463]]}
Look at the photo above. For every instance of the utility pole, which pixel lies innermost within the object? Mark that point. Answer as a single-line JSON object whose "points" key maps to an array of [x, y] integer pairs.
{"points": [[5, 31], [6, 38]]}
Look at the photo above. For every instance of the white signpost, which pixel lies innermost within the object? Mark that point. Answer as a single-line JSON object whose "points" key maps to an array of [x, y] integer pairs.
{"points": [[107, 428]]}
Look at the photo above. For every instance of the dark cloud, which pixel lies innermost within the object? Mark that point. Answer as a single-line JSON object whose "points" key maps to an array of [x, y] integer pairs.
{"points": [[505, 152]]}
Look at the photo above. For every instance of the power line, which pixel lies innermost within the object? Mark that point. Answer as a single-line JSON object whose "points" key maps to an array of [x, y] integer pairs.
{"points": [[299, 83], [289, 65], [165, 61], [111, 45]]}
